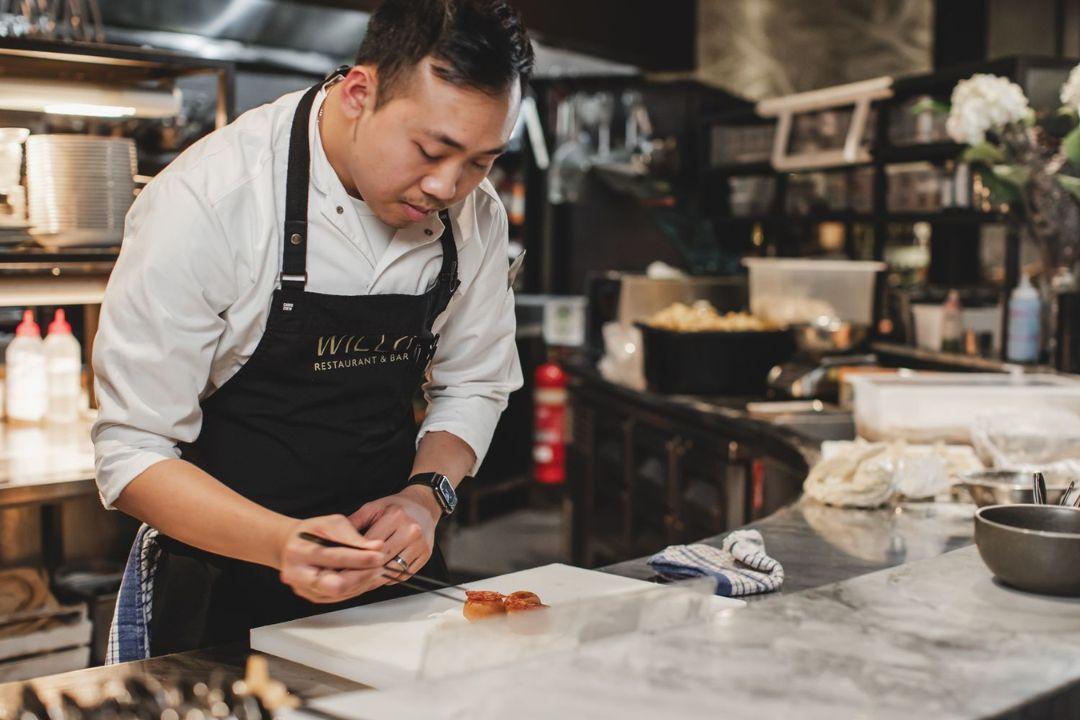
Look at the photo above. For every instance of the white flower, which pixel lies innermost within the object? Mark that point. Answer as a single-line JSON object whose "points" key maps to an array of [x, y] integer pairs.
{"points": [[984, 102], [1070, 91]]}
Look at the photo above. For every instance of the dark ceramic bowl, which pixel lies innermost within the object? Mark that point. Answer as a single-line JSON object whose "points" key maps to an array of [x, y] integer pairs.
{"points": [[1031, 547]]}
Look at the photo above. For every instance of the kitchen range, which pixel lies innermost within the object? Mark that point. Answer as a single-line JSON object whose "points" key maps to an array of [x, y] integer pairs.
{"points": [[772, 411]]}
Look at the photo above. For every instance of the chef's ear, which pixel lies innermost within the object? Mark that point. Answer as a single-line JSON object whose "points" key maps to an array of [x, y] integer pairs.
{"points": [[358, 91]]}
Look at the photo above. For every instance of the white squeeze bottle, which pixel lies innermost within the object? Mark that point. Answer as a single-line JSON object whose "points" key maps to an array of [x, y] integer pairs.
{"points": [[27, 382], [63, 358], [1025, 323]]}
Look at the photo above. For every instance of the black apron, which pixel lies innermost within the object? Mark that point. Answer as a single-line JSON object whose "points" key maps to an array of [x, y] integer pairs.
{"points": [[318, 421]]}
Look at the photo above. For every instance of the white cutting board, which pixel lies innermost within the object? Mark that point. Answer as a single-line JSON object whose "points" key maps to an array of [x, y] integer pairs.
{"points": [[383, 644]]}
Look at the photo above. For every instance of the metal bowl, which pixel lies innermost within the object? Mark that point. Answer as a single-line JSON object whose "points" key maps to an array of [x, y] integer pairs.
{"points": [[1005, 487], [1031, 547]]}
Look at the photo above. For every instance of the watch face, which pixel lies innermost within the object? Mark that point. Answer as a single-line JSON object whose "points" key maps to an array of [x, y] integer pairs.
{"points": [[447, 494]]}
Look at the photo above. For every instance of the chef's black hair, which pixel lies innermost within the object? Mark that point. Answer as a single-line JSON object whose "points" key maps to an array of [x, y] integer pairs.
{"points": [[480, 44]]}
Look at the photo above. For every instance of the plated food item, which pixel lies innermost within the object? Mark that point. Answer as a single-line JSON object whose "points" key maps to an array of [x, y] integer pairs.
{"points": [[487, 603], [482, 604], [703, 317], [522, 600]]}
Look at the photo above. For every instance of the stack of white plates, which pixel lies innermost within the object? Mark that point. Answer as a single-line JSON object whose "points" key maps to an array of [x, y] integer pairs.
{"points": [[81, 187]]}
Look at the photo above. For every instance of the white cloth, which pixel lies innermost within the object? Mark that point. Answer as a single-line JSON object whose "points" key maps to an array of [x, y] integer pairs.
{"points": [[188, 299], [740, 566]]}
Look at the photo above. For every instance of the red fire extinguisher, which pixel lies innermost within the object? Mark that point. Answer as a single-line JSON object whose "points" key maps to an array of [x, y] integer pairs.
{"points": [[549, 430]]}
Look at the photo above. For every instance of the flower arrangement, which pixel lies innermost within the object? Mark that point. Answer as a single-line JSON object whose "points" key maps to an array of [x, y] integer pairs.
{"points": [[1030, 162]]}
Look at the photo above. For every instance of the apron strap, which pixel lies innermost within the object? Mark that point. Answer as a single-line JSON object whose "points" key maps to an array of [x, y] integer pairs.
{"points": [[298, 176], [448, 281]]}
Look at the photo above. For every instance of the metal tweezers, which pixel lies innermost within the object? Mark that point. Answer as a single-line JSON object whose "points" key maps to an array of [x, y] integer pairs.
{"points": [[437, 585]]}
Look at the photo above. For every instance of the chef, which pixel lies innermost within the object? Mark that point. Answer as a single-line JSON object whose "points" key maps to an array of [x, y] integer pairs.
{"points": [[285, 287]]}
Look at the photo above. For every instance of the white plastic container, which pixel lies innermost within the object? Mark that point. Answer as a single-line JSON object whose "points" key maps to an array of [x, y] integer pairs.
{"points": [[794, 290], [27, 379], [933, 407], [930, 324], [63, 358]]}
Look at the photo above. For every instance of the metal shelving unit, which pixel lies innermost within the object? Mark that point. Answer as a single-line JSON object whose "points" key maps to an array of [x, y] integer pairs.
{"points": [[778, 226], [32, 275], [63, 275]]}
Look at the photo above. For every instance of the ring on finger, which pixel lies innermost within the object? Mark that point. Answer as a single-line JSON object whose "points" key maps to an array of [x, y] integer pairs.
{"points": [[402, 563]]}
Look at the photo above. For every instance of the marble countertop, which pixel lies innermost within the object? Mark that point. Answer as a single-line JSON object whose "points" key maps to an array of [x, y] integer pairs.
{"points": [[818, 545], [933, 638]]}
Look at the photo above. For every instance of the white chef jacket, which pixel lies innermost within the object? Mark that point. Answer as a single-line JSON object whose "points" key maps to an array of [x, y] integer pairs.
{"points": [[189, 297]]}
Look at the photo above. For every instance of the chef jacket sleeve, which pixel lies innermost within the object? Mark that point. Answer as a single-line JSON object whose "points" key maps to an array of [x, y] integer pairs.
{"points": [[161, 321], [476, 366]]}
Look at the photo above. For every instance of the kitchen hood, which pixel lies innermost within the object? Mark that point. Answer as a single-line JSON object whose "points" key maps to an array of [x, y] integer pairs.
{"points": [[282, 35]]}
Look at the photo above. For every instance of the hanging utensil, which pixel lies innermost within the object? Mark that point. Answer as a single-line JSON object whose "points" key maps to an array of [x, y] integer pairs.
{"points": [[1038, 488], [1065, 495]]}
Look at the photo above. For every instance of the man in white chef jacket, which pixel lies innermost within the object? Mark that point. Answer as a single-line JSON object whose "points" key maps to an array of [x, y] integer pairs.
{"points": [[284, 288]]}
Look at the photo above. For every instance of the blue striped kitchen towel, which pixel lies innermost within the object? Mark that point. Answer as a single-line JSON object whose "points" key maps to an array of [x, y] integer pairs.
{"points": [[740, 566]]}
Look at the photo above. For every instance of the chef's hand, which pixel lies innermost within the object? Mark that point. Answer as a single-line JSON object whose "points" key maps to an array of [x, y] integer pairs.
{"points": [[328, 575], [405, 523]]}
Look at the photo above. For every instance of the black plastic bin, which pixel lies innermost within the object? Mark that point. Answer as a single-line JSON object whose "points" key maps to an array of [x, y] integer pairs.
{"points": [[699, 363]]}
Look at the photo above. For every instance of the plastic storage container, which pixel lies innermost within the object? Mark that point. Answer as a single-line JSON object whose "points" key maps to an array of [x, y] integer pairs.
{"points": [[780, 289], [63, 360], [932, 407], [695, 363]]}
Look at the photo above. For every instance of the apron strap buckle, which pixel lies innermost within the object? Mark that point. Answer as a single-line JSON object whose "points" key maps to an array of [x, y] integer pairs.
{"points": [[286, 279], [450, 277]]}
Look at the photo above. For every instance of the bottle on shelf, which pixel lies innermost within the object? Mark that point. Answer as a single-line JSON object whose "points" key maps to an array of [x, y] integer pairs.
{"points": [[27, 378], [63, 359], [952, 330], [1025, 323]]}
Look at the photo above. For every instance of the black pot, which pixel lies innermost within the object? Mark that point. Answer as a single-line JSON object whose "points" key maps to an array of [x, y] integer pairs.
{"points": [[702, 363]]}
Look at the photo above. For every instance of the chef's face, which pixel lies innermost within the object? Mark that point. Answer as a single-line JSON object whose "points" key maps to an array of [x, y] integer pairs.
{"points": [[426, 148]]}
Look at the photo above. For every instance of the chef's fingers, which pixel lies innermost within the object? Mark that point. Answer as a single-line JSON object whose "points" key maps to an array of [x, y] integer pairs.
{"points": [[348, 583], [308, 553], [407, 536], [301, 578], [390, 520], [415, 550], [368, 513], [339, 528], [326, 586], [416, 555], [364, 553]]}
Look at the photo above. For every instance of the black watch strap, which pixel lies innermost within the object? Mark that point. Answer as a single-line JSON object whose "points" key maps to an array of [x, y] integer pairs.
{"points": [[440, 486]]}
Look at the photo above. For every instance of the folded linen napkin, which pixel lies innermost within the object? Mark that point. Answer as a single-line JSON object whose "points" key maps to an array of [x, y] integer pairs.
{"points": [[740, 566]]}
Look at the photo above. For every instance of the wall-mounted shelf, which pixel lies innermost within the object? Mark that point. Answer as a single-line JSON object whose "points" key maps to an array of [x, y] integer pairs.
{"points": [[859, 96], [106, 64]]}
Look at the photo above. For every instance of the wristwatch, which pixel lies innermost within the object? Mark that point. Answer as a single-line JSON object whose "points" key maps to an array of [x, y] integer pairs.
{"points": [[441, 486]]}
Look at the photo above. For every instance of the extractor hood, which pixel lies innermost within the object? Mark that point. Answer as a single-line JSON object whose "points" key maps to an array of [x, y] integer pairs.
{"points": [[282, 35]]}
